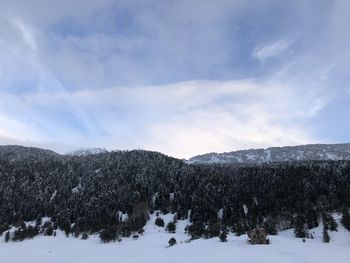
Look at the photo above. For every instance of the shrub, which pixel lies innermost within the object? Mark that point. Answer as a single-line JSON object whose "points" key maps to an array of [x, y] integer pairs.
{"points": [[7, 236], [159, 222], [172, 241], [49, 231], [171, 227], [223, 236], [107, 235], [196, 230]]}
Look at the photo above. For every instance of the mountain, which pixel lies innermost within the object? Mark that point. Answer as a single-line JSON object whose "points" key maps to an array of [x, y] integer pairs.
{"points": [[16, 153], [311, 152], [87, 151], [113, 195]]}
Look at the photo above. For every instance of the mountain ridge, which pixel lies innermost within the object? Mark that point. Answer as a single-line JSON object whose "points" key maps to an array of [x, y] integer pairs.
{"points": [[308, 152]]}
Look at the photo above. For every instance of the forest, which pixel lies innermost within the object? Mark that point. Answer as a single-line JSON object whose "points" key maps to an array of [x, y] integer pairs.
{"points": [[113, 193]]}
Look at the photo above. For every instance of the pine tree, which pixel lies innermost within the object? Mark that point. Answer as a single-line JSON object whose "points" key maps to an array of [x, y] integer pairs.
{"points": [[171, 227], [196, 230], [332, 223], [346, 219], [326, 237], [270, 227], [223, 236], [49, 231], [84, 236], [39, 220], [329, 222], [299, 228], [213, 230], [7, 236], [108, 235]]}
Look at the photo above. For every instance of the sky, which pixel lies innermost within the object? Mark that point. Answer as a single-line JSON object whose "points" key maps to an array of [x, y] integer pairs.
{"points": [[180, 77]]}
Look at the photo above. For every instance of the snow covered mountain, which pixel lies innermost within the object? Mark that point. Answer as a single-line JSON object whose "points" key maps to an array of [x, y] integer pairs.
{"points": [[278, 154], [87, 151]]}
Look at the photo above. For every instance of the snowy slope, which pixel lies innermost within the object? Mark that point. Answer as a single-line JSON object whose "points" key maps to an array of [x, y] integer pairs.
{"points": [[87, 151], [278, 154], [152, 247]]}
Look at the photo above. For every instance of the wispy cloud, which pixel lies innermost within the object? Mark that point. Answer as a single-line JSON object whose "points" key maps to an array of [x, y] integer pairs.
{"points": [[92, 73], [181, 119], [272, 50]]}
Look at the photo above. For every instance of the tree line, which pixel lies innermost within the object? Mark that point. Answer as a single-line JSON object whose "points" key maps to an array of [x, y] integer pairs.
{"points": [[113, 194]]}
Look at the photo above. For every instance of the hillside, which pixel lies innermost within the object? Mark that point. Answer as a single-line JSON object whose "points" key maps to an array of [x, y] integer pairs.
{"points": [[311, 152], [112, 194]]}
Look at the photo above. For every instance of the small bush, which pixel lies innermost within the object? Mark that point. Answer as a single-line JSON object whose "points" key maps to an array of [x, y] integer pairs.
{"points": [[159, 222], [49, 231], [107, 235], [7, 236], [223, 236], [171, 227], [172, 241]]}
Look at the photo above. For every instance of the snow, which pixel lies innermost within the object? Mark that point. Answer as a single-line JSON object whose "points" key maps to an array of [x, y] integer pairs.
{"points": [[87, 151], [172, 196], [122, 216], [153, 247], [220, 213], [268, 155], [245, 209], [77, 189], [53, 195]]}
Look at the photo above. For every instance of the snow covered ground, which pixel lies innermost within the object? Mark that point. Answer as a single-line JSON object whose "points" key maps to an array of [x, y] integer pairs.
{"points": [[152, 247]]}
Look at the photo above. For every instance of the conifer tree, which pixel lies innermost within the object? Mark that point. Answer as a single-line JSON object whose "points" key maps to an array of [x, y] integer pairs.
{"points": [[325, 235], [171, 227], [300, 229], [7, 236], [345, 220], [223, 236]]}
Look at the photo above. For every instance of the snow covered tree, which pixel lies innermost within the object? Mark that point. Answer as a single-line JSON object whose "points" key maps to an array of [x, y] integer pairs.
{"points": [[223, 236], [87, 191], [300, 229]]}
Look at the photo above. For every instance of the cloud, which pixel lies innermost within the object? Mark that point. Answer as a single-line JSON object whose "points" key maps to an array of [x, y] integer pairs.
{"points": [[182, 78], [180, 119], [272, 50], [25, 33]]}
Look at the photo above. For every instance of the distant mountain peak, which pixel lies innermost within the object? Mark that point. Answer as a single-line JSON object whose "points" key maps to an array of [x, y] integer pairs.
{"points": [[87, 151], [310, 152]]}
